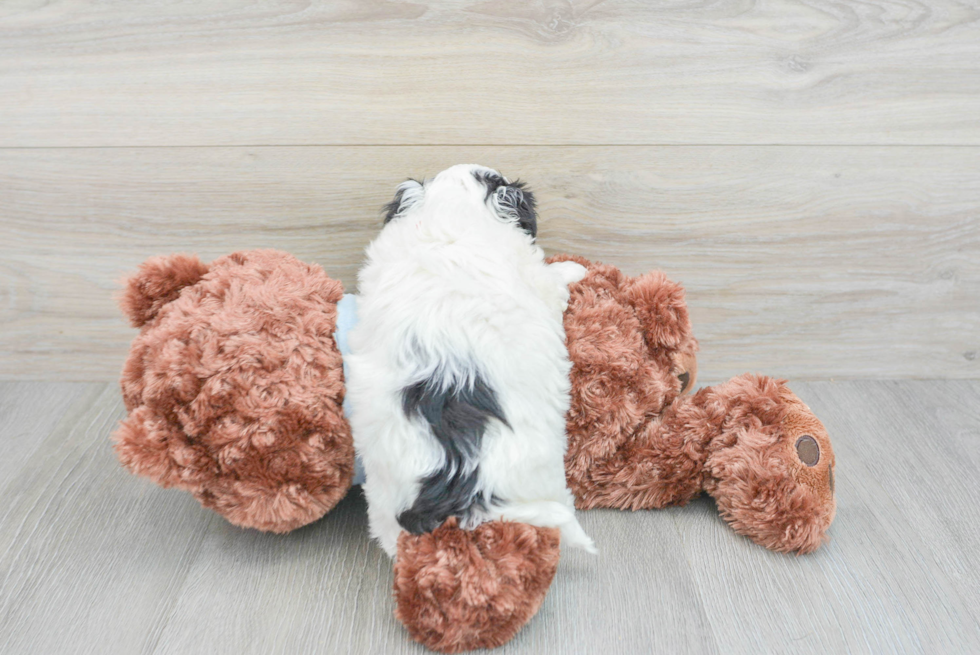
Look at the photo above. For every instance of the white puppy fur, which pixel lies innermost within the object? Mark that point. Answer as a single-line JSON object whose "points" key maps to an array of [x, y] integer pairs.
{"points": [[458, 374]]}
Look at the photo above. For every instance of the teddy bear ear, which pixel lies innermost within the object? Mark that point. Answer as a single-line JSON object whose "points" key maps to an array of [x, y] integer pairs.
{"points": [[660, 307], [158, 282]]}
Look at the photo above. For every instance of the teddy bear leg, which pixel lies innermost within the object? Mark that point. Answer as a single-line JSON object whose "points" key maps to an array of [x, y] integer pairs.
{"points": [[458, 590], [771, 467]]}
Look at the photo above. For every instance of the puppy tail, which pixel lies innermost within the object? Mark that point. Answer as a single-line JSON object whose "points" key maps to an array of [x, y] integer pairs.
{"points": [[551, 514]]}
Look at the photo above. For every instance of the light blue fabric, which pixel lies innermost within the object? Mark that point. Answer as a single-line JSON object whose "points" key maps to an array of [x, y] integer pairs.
{"points": [[347, 319]]}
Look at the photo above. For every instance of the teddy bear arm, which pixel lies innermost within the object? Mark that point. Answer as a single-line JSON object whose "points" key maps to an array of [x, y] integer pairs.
{"points": [[661, 465]]}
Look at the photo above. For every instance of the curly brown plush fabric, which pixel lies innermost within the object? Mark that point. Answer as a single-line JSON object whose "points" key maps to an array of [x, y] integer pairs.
{"points": [[636, 443], [459, 590], [756, 472], [234, 386], [632, 352], [158, 282], [738, 442]]}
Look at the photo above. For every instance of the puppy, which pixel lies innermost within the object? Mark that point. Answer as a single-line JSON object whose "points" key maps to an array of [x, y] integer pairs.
{"points": [[458, 374]]}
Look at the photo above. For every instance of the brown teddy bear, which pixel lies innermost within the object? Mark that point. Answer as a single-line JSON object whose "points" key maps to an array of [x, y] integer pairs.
{"points": [[234, 388]]}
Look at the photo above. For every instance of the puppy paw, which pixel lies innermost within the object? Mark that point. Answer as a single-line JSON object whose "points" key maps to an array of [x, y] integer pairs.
{"points": [[568, 272]]}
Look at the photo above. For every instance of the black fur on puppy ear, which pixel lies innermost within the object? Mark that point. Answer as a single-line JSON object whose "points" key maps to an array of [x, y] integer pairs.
{"points": [[516, 200], [511, 200], [409, 192]]}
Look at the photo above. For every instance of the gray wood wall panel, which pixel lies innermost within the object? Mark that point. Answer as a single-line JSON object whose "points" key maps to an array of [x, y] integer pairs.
{"points": [[221, 72], [806, 262], [93, 560]]}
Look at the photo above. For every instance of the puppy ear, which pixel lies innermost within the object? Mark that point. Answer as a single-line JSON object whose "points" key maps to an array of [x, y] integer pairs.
{"points": [[409, 192], [517, 201]]}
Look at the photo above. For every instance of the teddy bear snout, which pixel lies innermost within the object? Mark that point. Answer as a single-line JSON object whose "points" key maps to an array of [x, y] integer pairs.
{"points": [[686, 365]]}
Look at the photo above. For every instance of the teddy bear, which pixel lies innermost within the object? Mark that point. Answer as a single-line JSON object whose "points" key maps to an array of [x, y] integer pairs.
{"points": [[235, 392]]}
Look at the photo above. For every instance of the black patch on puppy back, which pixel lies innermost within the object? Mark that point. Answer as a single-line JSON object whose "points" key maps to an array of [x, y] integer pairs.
{"points": [[458, 416], [515, 197], [392, 208]]}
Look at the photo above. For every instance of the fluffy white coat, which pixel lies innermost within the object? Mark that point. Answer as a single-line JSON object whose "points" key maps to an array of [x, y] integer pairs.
{"points": [[452, 285]]}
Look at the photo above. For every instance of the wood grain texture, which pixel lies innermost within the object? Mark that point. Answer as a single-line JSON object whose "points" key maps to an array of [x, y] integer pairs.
{"points": [[27, 410], [327, 588], [805, 262], [897, 574], [226, 72], [93, 560]]}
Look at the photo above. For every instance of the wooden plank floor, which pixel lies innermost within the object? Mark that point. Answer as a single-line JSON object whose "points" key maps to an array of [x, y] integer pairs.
{"points": [[93, 560]]}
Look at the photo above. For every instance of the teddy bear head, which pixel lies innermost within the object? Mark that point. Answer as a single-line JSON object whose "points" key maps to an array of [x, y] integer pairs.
{"points": [[234, 386]]}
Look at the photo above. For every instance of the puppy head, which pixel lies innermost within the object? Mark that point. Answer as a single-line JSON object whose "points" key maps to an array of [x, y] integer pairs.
{"points": [[467, 190]]}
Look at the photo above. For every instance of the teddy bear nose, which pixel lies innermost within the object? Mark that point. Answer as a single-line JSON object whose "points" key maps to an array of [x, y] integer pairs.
{"points": [[685, 379], [808, 450]]}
